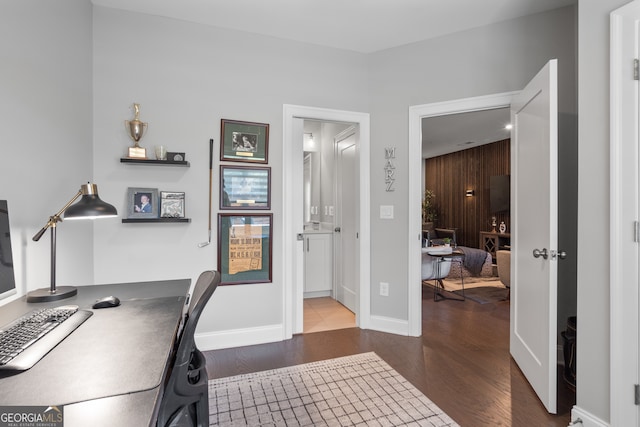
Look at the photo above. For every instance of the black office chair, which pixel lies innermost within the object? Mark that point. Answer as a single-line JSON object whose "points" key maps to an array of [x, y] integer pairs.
{"points": [[186, 397]]}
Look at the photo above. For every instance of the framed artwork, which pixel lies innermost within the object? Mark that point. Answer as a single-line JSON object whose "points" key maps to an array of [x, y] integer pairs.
{"points": [[244, 248], [171, 204], [142, 202], [245, 187], [244, 141]]}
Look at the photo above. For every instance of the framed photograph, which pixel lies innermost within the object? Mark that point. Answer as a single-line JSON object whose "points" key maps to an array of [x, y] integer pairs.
{"points": [[244, 248], [244, 141], [245, 187], [171, 204], [142, 202]]}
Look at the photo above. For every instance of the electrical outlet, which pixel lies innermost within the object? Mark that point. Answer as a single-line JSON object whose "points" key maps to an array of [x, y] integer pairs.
{"points": [[384, 289]]}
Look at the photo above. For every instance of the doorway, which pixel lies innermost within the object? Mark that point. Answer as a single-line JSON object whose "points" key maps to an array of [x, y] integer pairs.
{"points": [[329, 206], [293, 256], [416, 114]]}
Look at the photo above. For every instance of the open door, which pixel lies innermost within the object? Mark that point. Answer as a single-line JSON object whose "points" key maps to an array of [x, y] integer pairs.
{"points": [[534, 254], [346, 232]]}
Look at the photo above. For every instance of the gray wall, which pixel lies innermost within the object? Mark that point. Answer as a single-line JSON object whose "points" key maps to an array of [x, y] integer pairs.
{"points": [[483, 61], [186, 78], [45, 129]]}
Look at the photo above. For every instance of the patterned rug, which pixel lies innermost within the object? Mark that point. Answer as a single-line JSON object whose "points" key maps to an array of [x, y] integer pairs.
{"points": [[360, 390], [453, 283]]}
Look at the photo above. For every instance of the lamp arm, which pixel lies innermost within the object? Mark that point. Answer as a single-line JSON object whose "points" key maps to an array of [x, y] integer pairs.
{"points": [[56, 217]]}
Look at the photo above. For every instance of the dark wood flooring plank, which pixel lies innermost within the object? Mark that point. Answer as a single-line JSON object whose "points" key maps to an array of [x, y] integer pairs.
{"points": [[461, 363]]}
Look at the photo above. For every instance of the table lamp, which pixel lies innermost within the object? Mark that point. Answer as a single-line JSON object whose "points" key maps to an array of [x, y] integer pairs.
{"points": [[89, 207]]}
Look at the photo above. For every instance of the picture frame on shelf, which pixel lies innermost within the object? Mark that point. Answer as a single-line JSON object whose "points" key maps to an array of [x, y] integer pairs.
{"points": [[142, 203], [245, 187], [172, 204], [245, 248], [244, 141]]}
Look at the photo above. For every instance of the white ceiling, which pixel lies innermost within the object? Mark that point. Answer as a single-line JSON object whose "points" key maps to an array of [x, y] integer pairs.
{"points": [[358, 25], [455, 132], [363, 26]]}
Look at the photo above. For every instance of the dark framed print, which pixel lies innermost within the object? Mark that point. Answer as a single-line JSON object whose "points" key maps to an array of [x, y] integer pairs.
{"points": [[245, 187], [171, 204], [142, 202], [244, 248], [244, 141]]}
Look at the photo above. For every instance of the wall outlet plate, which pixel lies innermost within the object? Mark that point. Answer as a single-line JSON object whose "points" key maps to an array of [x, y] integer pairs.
{"points": [[384, 289]]}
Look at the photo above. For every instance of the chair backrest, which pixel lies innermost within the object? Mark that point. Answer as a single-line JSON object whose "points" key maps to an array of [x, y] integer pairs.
{"points": [[446, 232], [202, 291], [185, 399]]}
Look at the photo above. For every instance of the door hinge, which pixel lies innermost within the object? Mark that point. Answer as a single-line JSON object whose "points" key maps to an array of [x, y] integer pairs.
{"points": [[636, 72], [637, 394], [636, 231]]}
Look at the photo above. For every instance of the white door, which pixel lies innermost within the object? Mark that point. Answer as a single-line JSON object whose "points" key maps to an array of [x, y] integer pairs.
{"points": [[533, 335], [346, 238], [624, 251]]}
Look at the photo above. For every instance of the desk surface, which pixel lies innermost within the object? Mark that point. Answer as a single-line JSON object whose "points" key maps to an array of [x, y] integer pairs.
{"points": [[110, 370]]}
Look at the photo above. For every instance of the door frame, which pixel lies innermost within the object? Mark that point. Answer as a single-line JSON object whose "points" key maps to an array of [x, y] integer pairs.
{"points": [[416, 114], [293, 291], [624, 213]]}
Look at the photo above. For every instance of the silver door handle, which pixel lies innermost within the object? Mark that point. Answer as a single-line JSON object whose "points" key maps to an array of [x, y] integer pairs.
{"points": [[537, 253]]}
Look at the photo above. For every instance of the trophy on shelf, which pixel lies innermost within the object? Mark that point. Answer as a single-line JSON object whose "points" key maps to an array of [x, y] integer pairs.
{"points": [[136, 129]]}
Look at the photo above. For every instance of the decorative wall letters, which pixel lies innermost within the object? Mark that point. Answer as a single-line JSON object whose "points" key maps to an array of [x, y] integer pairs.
{"points": [[389, 168]]}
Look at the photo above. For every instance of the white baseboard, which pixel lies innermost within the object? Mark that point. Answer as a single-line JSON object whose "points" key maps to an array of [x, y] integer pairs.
{"points": [[240, 337], [389, 324], [586, 419]]}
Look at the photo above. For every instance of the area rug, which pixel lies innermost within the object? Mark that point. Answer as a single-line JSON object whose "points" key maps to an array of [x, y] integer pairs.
{"points": [[453, 283], [360, 390], [485, 295]]}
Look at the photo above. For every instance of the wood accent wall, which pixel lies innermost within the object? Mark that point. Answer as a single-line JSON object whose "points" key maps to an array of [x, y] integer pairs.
{"points": [[451, 175]]}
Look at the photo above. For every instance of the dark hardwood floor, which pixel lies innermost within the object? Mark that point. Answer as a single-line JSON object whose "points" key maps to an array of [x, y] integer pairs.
{"points": [[461, 363]]}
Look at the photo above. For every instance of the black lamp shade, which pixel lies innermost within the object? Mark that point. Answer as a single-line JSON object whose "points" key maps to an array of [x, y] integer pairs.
{"points": [[90, 205]]}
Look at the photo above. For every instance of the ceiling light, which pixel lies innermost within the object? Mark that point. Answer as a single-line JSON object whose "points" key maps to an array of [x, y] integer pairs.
{"points": [[509, 126]]}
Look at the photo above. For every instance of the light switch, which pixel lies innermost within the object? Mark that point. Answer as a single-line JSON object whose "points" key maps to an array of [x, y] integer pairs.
{"points": [[386, 211]]}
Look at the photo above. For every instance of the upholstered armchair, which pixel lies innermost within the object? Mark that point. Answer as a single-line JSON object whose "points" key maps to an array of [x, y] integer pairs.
{"points": [[503, 259]]}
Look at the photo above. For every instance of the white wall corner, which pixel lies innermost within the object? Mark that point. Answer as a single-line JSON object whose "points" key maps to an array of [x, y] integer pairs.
{"points": [[240, 337], [582, 418]]}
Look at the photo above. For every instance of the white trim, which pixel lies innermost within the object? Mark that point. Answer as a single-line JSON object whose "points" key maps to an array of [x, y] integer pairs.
{"points": [[416, 113], [239, 337], [583, 418], [292, 291], [624, 185], [389, 325]]}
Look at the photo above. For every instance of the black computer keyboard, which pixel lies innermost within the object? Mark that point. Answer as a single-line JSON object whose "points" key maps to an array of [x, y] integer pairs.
{"points": [[27, 339]]}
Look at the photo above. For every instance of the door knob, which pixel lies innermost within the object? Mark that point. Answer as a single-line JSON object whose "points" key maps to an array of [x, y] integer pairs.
{"points": [[337, 229], [537, 253]]}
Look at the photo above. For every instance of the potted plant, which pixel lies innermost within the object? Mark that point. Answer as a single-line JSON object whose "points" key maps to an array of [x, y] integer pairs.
{"points": [[429, 212], [446, 241]]}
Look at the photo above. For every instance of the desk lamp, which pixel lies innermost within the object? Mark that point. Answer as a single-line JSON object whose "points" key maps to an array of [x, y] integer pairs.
{"points": [[89, 207]]}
